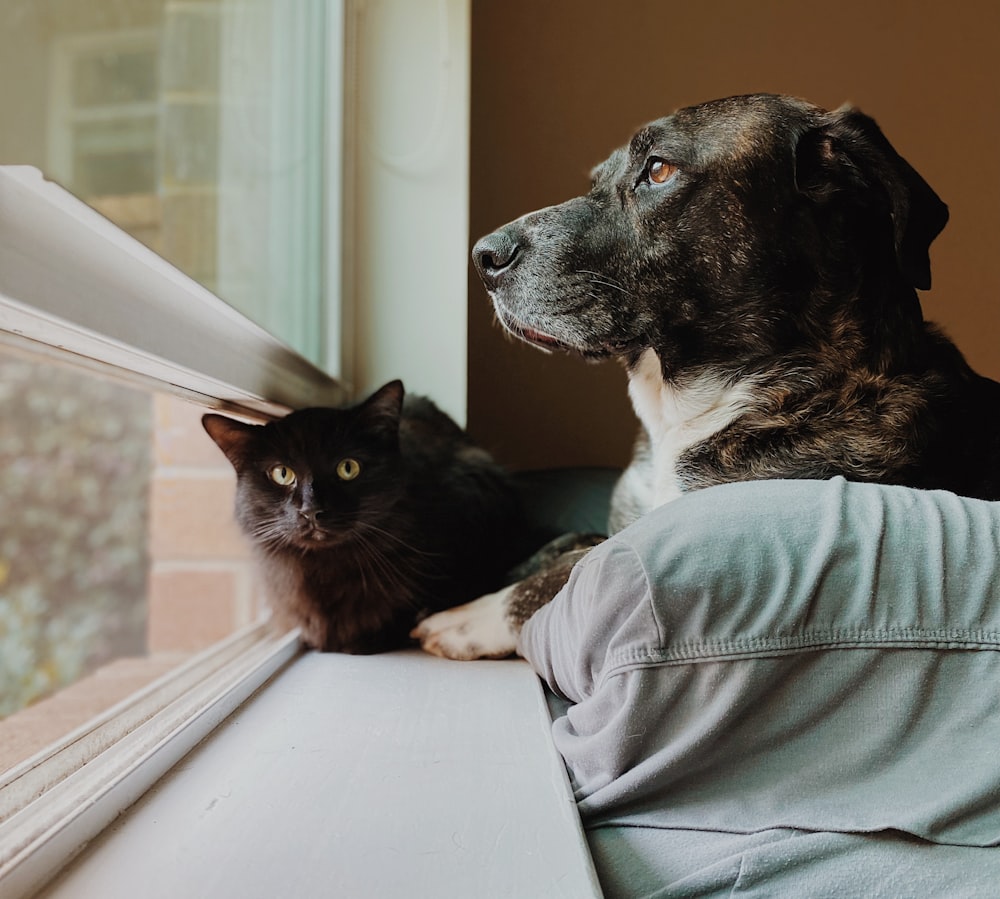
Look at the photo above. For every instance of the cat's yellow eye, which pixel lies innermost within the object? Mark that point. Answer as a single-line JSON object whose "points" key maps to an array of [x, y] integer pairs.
{"points": [[348, 469], [282, 475]]}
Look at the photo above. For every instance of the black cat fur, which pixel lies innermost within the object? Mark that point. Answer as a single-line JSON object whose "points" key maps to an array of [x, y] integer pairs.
{"points": [[389, 511]]}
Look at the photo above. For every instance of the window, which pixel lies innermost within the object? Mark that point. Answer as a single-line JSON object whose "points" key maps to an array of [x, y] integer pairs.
{"points": [[77, 291], [75, 485], [198, 128], [119, 558], [226, 183]]}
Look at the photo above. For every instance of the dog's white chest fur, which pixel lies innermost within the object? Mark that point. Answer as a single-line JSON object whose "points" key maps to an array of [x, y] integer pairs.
{"points": [[676, 418]]}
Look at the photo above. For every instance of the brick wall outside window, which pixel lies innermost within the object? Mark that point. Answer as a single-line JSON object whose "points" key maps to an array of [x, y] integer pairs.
{"points": [[202, 584]]}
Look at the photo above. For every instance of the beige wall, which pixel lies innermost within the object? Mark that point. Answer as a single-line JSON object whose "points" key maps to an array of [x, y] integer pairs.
{"points": [[557, 84]]}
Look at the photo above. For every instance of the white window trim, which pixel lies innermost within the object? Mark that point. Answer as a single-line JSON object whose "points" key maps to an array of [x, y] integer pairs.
{"points": [[72, 282], [387, 775], [405, 197]]}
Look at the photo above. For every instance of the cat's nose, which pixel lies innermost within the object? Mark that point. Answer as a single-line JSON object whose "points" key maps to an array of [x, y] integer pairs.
{"points": [[314, 516]]}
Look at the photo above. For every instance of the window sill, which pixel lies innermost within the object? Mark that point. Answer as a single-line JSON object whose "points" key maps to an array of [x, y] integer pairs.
{"points": [[32, 729], [55, 803], [391, 775]]}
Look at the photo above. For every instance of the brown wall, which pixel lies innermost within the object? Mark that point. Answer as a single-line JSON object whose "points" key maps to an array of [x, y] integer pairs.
{"points": [[557, 84]]}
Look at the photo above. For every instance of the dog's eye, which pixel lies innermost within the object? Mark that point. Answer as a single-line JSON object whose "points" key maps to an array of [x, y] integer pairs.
{"points": [[659, 171]]}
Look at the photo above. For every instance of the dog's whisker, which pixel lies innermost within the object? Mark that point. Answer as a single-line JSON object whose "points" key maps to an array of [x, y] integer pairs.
{"points": [[597, 278]]}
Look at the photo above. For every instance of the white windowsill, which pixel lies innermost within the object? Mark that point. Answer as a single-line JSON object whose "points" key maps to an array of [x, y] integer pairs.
{"points": [[390, 775]]}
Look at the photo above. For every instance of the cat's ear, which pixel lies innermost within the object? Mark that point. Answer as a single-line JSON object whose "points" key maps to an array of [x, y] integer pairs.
{"points": [[387, 400], [232, 436], [382, 409]]}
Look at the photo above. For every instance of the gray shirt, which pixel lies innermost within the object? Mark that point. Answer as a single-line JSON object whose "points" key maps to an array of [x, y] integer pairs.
{"points": [[786, 688]]}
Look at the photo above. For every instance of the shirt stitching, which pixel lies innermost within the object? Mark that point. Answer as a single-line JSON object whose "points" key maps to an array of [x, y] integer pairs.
{"points": [[742, 648]]}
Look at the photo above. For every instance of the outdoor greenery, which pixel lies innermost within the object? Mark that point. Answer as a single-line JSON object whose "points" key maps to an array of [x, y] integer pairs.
{"points": [[74, 482]]}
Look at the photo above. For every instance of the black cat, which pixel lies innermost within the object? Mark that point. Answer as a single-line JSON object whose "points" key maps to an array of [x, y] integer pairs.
{"points": [[366, 518]]}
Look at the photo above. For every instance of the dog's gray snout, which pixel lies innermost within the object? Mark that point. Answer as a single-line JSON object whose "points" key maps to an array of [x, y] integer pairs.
{"points": [[493, 255]]}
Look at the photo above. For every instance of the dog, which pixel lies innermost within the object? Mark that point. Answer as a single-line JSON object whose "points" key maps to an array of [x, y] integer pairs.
{"points": [[754, 263]]}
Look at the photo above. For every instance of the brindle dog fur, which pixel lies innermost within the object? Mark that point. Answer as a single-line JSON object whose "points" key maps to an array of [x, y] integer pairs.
{"points": [[754, 262]]}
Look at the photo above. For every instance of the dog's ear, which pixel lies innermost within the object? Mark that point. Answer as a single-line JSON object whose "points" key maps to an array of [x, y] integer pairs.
{"points": [[849, 152]]}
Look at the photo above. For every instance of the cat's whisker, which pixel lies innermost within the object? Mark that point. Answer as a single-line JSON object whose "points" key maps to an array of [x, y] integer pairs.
{"points": [[388, 535], [270, 533], [387, 578], [391, 572], [389, 569], [419, 564], [364, 574]]}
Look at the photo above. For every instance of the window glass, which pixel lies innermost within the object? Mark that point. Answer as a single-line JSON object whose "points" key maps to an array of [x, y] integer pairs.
{"points": [[198, 127], [119, 557], [74, 477]]}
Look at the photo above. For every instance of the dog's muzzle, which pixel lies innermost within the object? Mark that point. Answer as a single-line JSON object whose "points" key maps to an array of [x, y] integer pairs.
{"points": [[494, 255]]}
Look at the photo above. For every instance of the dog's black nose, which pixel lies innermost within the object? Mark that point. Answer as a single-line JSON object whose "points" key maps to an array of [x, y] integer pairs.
{"points": [[494, 255]]}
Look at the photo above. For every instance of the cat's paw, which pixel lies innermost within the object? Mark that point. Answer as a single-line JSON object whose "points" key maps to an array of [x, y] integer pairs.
{"points": [[477, 630]]}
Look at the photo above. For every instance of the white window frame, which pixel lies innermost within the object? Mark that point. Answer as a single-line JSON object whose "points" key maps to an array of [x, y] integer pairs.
{"points": [[74, 287]]}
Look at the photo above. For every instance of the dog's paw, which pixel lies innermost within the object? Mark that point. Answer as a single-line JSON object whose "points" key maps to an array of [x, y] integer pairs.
{"points": [[476, 630]]}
